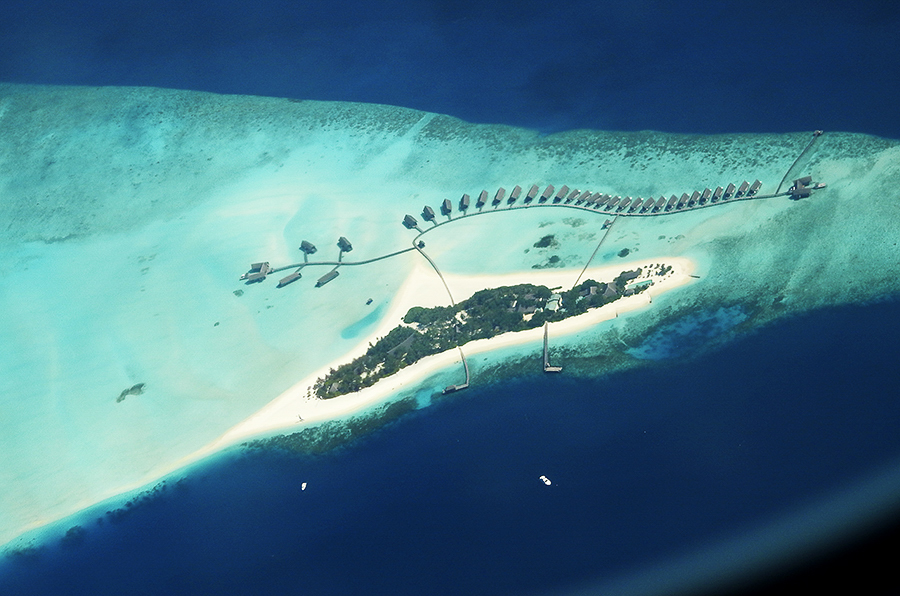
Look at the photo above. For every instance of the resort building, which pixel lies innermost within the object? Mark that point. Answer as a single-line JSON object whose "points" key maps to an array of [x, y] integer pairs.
{"points": [[548, 192], [514, 195], [289, 279], [754, 188], [257, 272], [326, 278], [561, 194]]}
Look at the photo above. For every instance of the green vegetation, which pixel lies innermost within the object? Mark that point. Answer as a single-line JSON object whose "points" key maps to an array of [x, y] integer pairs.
{"points": [[486, 314]]}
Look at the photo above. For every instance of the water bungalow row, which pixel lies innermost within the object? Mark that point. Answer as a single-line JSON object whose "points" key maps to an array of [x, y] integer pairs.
{"points": [[602, 202]]}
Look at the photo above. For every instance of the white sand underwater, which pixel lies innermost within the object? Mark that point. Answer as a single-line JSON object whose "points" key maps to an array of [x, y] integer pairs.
{"points": [[130, 213]]}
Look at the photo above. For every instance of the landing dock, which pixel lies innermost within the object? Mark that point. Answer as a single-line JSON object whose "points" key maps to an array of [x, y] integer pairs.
{"points": [[453, 388], [548, 368]]}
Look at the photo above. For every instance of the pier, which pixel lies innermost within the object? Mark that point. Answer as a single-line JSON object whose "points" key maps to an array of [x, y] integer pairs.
{"points": [[548, 368], [454, 388]]}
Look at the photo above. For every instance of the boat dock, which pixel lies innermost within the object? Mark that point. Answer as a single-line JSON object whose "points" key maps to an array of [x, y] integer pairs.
{"points": [[454, 388], [548, 368]]}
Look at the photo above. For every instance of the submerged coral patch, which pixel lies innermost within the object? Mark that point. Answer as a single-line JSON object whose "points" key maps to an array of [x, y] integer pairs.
{"points": [[689, 333]]}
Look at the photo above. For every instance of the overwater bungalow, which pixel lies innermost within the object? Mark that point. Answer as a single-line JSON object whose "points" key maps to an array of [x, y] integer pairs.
{"points": [[428, 213], [498, 197], [532, 193], [514, 194], [257, 272], [548, 192], [482, 199], [289, 279], [344, 244], [575, 192], [729, 192], [446, 207], [561, 194], [410, 222], [706, 196], [754, 188], [743, 188], [670, 204], [624, 204], [717, 195], [695, 199], [464, 202], [307, 247], [800, 191], [326, 278]]}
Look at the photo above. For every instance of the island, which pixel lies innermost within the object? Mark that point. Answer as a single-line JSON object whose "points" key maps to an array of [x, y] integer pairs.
{"points": [[488, 313]]}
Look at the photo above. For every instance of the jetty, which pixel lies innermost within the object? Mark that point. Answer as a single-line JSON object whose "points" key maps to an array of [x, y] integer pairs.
{"points": [[454, 388], [548, 368]]}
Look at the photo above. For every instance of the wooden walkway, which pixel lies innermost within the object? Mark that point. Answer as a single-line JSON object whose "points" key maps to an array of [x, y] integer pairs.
{"points": [[548, 368]]}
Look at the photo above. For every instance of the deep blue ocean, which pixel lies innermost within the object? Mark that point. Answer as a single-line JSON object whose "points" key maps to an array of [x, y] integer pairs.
{"points": [[646, 466]]}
